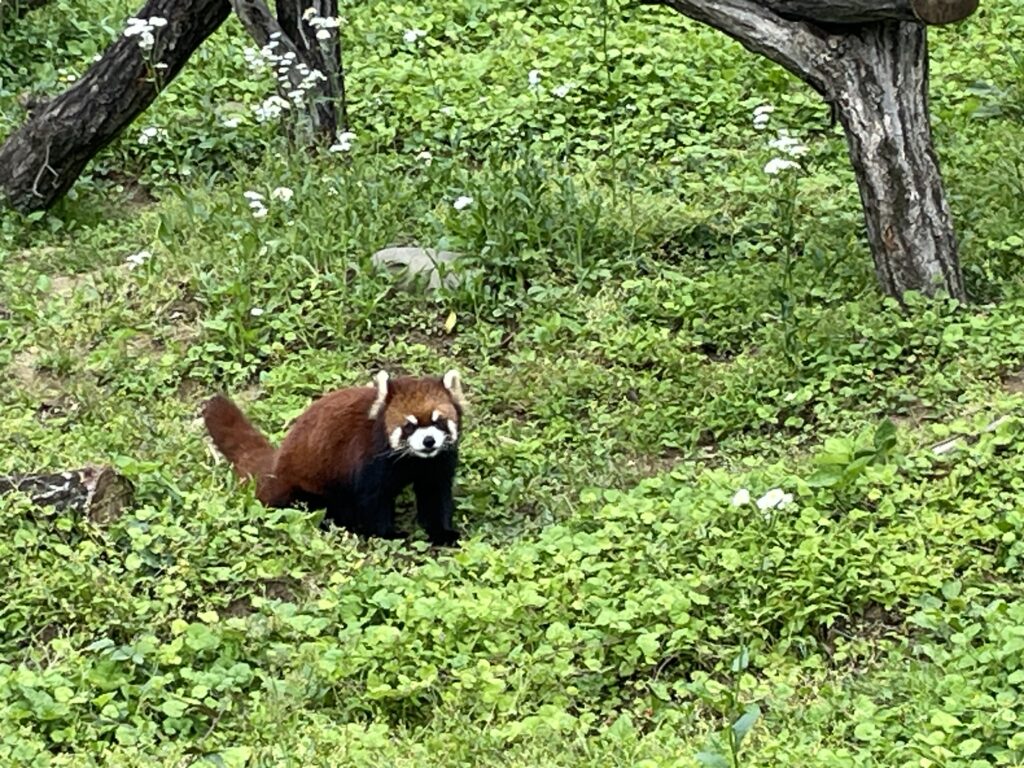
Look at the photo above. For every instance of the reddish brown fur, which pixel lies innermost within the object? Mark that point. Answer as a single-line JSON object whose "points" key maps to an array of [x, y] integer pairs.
{"points": [[328, 442], [418, 398], [249, 452], [331, 441]]}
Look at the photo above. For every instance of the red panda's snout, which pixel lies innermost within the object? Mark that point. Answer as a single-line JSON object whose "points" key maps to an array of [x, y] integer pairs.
{"points": [[425, 440]]}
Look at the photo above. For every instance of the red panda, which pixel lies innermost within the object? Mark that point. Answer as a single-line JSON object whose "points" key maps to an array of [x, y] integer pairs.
{"points": [[354, 450]]}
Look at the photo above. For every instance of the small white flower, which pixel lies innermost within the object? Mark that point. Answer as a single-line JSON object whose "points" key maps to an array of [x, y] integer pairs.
{"points": [[533, 77], [325, 22], [157, 21], [282, 193], [562, 90], [258, 211], [323, 34], [252, 195], [412, 35], [425, 156], [762, 115], [741, 497], [778, 164], [151, 133], [343, 142], [256, 311], [774, 499], [137, 259], [309, 13], [788, 145], [271, 108], [230, 122], [463, 201]]}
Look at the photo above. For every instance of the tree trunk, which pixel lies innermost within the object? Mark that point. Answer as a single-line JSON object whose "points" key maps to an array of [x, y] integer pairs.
{"points": [[291, 34], [860, 11], [97, 493], [876, 74], [324, 55], [42, 159], [882, 100]]}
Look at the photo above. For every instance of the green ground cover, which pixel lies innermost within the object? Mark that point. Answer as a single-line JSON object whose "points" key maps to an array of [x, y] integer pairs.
{"points": [[646, 324]]}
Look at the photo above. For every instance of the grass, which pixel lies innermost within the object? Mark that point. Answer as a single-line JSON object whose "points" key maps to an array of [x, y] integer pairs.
{"points": [[635, 352]]}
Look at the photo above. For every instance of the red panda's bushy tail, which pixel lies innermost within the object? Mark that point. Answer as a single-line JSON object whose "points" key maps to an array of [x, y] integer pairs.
{"points": [[241, 443]]}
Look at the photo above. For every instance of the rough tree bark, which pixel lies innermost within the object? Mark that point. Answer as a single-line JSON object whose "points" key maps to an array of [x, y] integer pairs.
{"points": [[97, 493], [876, 75], [292, 34], [324, 55], [860, 11], [42, 159]]}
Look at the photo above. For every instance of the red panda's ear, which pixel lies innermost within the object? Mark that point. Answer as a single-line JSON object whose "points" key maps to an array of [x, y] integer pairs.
{"points": [[453, 383], [381, 380]]}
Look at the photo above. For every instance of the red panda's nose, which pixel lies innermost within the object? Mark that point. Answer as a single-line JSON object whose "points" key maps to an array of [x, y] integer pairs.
{"points": [[428, 441]]}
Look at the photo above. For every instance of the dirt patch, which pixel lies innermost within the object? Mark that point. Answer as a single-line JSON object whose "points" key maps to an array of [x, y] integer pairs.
{"points": [[875, 622], [1013, 383], [642, 465], [913, 416], [24, 370], [284, 589]]}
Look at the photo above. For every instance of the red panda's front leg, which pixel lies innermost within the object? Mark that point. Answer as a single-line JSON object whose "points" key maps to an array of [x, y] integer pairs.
{"points": [[375, 494], [434, 502]]}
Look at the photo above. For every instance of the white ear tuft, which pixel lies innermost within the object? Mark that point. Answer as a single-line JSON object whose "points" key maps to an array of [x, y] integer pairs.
{"points": [[453, 383], [381, 379]]}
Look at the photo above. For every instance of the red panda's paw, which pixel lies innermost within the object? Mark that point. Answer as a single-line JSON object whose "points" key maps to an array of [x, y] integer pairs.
{"points": [[447, 538]]}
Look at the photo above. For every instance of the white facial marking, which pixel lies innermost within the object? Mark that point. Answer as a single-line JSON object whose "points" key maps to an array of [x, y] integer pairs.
{"points": [[412, 419], [395, 438], [427, 441], [435, 415], [453, 430]]}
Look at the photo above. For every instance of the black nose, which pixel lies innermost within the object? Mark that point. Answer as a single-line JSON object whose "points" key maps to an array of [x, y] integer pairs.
{"points": [[428, 441]]}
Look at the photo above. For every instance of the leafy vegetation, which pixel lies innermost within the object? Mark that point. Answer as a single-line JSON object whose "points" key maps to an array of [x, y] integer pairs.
{"points": [[657, 336]]}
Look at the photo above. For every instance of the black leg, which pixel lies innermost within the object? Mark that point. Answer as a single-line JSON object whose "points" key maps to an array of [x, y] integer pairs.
{"points": [[339, 512], [375, 504], [434, 508]]}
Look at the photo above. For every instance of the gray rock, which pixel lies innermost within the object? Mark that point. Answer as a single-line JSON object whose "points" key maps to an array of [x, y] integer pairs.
{"points": [[415, 264]]}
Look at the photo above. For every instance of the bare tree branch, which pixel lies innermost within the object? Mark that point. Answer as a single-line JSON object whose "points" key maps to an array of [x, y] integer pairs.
{"points": [[860, 11], [800, 47]]}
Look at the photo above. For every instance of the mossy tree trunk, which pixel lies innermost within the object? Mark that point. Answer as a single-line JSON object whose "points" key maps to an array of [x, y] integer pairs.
{"points": [[867, 59]]}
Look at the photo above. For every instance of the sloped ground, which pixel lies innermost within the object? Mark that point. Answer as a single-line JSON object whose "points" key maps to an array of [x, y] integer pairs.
{"points": [[636, 351]]}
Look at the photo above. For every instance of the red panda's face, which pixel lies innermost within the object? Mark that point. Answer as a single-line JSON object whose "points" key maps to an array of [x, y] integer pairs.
{"points": [[421, 416]]}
